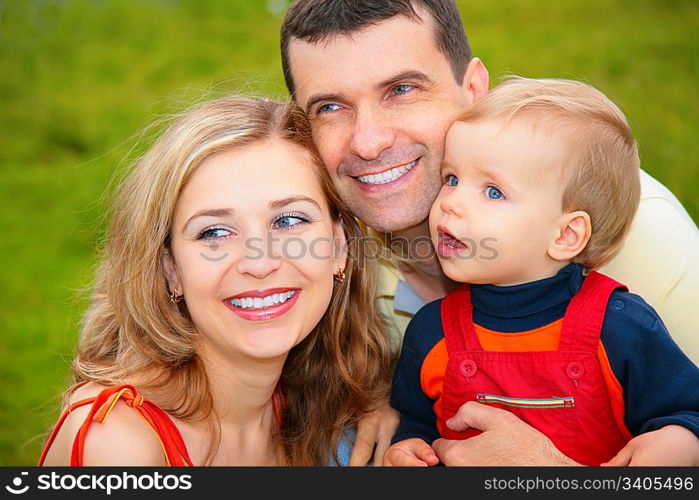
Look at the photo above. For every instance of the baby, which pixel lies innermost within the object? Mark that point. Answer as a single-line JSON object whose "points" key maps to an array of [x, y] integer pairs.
{"points": [[541, 185]]}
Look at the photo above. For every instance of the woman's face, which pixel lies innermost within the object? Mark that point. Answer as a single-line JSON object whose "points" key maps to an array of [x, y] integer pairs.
{"points": [[255, 249]]}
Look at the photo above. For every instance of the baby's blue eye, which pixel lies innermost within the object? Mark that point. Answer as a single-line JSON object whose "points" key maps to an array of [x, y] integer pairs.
{"points": [[288, 221], [214, 233], [494, 193], [451, 180]]}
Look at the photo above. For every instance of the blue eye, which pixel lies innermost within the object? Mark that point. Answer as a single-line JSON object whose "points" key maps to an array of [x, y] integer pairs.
{"points": [[494, 193], [451, 180], [327, 108], [402, 89], [290, 221], [214, 233]]}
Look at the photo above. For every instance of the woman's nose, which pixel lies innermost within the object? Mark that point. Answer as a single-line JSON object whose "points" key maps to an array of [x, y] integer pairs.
{"points": [[259, 259]]}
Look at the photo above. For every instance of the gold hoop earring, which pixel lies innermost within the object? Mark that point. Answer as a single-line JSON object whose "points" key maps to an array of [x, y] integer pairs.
{"points": [[174, 298], [339, 275]]}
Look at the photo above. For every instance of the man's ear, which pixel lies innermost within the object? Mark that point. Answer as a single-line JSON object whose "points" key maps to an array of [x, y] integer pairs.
{"points": [[170, 270], [574, 231], [475, 80]]}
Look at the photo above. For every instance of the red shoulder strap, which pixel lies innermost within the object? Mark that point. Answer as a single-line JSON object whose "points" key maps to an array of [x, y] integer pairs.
{"points": [[457, 321], [58, 426], [160, 423], [584, 316]]}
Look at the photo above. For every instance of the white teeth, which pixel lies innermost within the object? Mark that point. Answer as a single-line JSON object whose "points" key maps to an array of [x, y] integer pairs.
{"points": [[262, 302], [388, 175]]}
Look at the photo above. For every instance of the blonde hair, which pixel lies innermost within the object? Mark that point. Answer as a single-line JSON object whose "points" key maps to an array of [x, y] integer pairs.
{"points": [[131, 328], [602, 169]]}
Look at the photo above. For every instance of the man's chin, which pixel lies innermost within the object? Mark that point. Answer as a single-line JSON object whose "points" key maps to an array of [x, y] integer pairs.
{"points": [[379, 222]]}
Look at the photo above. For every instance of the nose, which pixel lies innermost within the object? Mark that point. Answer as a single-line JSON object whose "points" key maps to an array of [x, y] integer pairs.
{"points": [[372, 134], [259, 259], [451, 203]]}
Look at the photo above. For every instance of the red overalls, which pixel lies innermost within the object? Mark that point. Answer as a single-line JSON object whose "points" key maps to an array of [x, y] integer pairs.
{"points": [[561, 393]]}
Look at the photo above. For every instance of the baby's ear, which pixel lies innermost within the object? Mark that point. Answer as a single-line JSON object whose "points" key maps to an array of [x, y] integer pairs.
{"points": [[574, 231]]}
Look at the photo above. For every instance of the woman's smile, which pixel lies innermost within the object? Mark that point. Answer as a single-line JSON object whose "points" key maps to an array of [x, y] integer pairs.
{"points": [[263, 305]]}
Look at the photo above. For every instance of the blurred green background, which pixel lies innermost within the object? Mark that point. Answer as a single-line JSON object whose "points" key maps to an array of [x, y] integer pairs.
{"points": [[80, 79]]}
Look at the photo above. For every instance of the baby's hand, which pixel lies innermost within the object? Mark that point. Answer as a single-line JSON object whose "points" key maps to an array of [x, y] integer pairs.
{"points": [[410, 452], [672, 445]]}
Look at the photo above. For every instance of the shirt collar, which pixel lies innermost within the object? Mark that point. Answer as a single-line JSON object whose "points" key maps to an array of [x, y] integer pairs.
{"points": [[528, 299]]}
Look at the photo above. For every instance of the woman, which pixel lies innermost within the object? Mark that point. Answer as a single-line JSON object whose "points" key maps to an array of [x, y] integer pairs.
{"points": [[232, 319]]}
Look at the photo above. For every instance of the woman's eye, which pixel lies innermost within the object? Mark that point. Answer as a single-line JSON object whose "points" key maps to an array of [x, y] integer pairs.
{"points": [[494, 193], [402, 89], [451, 180], [289, 221], [214, 233]]}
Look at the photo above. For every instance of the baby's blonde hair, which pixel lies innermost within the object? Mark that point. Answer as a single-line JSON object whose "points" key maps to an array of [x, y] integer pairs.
{"points": [[602, 169]]}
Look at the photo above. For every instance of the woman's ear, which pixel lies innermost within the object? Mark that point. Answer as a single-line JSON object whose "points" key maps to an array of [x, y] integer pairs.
{"points": [[340, 246], [170, 270], [574, 231]]}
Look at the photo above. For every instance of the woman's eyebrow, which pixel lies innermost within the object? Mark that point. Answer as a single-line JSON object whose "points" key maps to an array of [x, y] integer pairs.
{"points": [[291, 199], [210, 212]]}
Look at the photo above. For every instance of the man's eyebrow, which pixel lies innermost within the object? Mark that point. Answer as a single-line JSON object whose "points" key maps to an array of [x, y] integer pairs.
{"points": [[315, 99], [209, 212], [291, 199], [403, 76]]}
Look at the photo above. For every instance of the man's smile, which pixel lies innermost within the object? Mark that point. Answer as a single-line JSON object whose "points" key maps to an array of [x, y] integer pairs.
{"points": [[388, 179], [387, 176]]}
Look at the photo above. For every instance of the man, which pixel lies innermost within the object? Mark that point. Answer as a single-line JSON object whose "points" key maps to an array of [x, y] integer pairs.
{"points": [[381, 81]]}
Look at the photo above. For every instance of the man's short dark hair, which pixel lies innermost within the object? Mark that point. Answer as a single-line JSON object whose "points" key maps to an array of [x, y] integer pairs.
{"points": [[316, 20]]}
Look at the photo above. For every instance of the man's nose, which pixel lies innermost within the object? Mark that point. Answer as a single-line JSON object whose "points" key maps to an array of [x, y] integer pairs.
{"points": [[372, 134]]}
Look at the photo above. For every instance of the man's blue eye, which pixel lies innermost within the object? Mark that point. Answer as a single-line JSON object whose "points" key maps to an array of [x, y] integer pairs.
{"points": [[494, 193], [326, 108], [288, 221], [452, 180], [402, 89], [214, 233]]}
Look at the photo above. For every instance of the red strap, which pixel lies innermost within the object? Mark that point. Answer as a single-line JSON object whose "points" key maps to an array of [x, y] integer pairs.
{"points": [[165, 430], [585, 313], [457, 321], [58, 426]]}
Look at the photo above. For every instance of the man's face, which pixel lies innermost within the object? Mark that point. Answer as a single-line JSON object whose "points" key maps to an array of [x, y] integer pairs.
{"points": [[380, 103]]}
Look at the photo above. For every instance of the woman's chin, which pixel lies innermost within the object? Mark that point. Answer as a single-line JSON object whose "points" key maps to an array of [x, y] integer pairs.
{"points": [[271, 343]]}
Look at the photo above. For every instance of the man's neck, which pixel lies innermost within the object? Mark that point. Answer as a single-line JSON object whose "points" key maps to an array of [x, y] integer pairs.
{"points": [[421, 267]]}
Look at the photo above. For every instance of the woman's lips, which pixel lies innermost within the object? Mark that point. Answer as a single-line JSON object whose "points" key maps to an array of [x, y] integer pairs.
{"points": [[259, 311], [448, 245]]}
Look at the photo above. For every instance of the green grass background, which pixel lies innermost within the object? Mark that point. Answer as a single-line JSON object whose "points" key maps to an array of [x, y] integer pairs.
{"points": [[80, 78]]}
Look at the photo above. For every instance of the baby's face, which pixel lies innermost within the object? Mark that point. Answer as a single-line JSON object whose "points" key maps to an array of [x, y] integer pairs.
{"points": [[500, 203]]}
